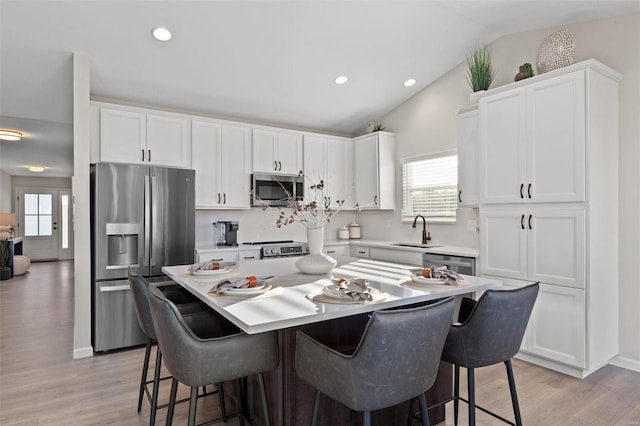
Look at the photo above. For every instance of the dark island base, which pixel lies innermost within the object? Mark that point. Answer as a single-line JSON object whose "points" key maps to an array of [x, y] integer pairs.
{"points": [[291, 399]]}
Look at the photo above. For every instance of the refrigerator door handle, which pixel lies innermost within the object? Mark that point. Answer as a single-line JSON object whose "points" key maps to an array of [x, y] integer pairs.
{"points": [[114, 288], [154, 217], [147, 220]]}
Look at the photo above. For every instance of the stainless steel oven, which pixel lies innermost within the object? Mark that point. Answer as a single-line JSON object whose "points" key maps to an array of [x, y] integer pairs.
{"points": [[275, 190], [459, 264]]}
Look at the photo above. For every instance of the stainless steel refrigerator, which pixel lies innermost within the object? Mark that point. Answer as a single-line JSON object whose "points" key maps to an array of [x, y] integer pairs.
{"points": [[142, 217]]}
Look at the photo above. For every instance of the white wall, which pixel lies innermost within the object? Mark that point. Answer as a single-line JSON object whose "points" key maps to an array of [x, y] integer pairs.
{"points": [[426, 124], [5, 193]]}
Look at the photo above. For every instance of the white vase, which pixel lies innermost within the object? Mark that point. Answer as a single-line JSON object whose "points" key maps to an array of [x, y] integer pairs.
{"points": [[315, 262]]}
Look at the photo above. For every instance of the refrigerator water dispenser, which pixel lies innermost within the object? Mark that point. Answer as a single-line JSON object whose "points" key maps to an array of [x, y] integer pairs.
{"points": [[122, 245]]}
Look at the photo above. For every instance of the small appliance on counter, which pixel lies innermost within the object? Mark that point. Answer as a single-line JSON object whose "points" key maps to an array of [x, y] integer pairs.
{"points": [[226, 233]]}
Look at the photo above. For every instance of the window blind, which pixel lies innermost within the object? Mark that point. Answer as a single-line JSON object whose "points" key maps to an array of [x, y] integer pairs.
{"points": [[430, 188]]}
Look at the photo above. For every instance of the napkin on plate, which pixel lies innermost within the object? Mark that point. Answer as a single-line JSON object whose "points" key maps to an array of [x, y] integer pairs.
{"points": [[210, 266], [438, 273], [244, 282], [356, 288]]}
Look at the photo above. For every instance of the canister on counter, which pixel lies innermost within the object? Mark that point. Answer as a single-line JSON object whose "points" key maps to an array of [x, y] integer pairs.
{"points": [[354, 231], [343, 233]]}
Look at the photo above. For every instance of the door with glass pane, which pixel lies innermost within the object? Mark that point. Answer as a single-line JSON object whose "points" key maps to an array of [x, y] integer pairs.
{"points": [[45, 223]]}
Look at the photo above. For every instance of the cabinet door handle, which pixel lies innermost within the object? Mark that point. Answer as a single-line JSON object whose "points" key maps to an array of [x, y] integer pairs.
{"points": [[224, 198], [529, 190], [375, 200], [149, 156], [530, 222], [279, 166], [459, 196], [522, 221], [218, 198], [362, 252], [330, 251], [217, 260], [248, 257], [275, 166], [329, 200], [521, 189], [142, 155]]}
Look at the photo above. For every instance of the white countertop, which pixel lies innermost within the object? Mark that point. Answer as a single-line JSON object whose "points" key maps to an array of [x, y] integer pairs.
{"points": [[286, 304], [440, 249]]}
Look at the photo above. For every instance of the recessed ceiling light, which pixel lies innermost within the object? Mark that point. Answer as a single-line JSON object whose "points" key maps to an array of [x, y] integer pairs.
{"points": [[161, 34], [36, 168], [409, 82], [341, 80], [10, 135]]}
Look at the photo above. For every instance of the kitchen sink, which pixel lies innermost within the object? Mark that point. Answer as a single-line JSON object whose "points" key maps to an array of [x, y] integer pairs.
{"points": [[416, 245]]}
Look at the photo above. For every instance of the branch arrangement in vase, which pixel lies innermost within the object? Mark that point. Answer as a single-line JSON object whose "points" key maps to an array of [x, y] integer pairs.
{"points": [[313, 214]]}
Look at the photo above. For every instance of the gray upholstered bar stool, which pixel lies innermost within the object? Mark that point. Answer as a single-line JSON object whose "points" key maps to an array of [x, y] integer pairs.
{"points": [[489, 331], [396, 360], [213, 352], [187, 304]]}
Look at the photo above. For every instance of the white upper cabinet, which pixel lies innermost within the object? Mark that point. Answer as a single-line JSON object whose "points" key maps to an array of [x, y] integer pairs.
{"points": [[330, 159], [374, 165], [532, 142], [134, 135], [277, 152], [221, 160], [468, 177]]}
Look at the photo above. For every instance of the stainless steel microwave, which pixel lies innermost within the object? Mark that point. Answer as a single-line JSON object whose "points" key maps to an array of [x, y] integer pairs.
{"points": [[276, 190]]}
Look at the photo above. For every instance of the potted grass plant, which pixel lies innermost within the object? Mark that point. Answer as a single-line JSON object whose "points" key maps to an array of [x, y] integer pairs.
{"points": [[480, 72]]}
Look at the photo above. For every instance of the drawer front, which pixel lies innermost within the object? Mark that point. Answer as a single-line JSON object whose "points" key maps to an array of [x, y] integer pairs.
{"points": [[358, 251], [226, 256]]}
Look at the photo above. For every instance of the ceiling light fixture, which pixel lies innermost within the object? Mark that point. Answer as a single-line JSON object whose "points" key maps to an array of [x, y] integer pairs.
{"points": [[409, 82], [10, 135], [341, 80], [161, 34], [36, 168]]}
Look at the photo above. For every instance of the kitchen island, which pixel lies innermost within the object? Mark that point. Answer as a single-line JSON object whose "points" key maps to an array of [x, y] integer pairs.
{"points": [[286, 308]]}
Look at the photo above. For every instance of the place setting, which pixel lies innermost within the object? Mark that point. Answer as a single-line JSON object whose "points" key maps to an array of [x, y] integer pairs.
{"points": [[345, 291], [434, 276], [210, 268], [250, 286]]}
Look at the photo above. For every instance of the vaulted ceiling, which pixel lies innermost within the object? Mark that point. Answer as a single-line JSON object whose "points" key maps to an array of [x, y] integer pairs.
{"points": [[258, 61]]}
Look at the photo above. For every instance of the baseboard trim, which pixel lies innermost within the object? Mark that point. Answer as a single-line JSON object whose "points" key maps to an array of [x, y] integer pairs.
{"points": [[82, 352], [628, 363]]}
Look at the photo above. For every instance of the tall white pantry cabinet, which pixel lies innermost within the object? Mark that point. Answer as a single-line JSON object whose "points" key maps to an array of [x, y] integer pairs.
{"points": [[549, 209]]}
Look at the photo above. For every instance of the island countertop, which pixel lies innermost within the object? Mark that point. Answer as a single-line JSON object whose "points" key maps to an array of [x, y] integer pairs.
{"points": [[287, 305]]}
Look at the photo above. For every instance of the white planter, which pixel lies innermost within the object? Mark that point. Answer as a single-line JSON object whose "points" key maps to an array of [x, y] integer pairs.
{"points": [[316, 262]]}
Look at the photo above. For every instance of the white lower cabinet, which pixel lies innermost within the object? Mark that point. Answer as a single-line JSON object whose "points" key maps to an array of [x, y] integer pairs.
{"points": [[556, 329], [336, 250], [359, 251], [217, 255], [404, 257]]}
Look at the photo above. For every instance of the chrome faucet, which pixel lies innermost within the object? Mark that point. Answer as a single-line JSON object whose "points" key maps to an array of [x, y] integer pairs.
{"points": [[426, 236]]}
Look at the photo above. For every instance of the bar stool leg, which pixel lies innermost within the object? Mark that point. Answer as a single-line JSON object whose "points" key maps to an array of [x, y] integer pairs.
{"points": [[193, 402], [145, 369], [316, 409], [411, 412], [471, 385], [424, 413], [156, 385], [265, 405], [172, 402], [367, 418], [456, 393], [514, 394], [221, 396]]}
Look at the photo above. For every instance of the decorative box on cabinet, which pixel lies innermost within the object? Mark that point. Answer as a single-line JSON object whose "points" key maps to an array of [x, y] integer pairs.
{"points": [[141, 136], [549, 208], [374, 165], [221, 155], [468, 140], [330, 159], [277, 152]]}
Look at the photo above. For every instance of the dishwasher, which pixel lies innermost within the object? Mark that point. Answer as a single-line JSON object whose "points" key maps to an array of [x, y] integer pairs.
{"points": [[460, 264]]}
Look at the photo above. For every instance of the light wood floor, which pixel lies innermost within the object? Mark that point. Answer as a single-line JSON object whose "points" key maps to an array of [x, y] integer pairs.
{"points": [[40, 383]]}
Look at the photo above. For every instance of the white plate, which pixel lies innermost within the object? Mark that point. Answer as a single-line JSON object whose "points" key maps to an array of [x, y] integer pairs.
{"points": [[211, 271], [253, 291], [422, 280], [319, 296]]}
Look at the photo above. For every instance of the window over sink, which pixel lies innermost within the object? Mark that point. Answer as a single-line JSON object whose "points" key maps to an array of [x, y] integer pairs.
{"points": [[430, 187]]}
